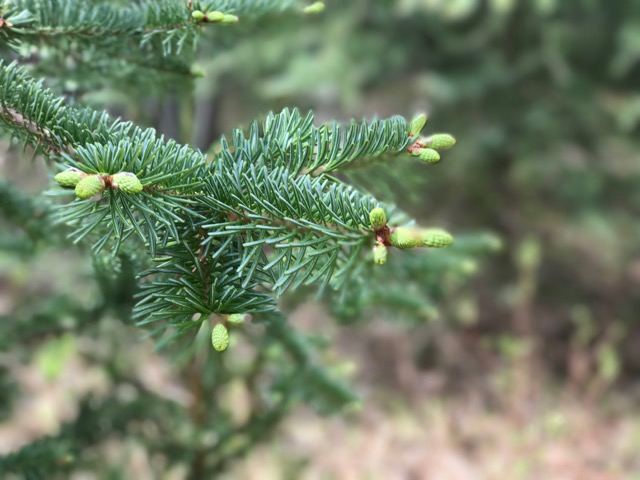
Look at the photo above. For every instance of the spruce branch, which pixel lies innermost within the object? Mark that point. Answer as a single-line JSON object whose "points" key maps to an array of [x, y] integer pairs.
{"points": [[312, 229], [262, 216], [171, 26], [37, 117], [57, 22], [317, 150], [249, 8], [140, 44]]}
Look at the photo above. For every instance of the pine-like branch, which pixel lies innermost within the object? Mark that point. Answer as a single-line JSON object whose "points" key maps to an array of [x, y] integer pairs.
{"points": [[41, 119], [295, 228], [262, 216], [167, 25], [121, 41], [290, 139]]}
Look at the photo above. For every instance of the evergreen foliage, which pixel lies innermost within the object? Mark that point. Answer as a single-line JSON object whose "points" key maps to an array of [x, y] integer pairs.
{"points": [[190, 244], [210, 222]]}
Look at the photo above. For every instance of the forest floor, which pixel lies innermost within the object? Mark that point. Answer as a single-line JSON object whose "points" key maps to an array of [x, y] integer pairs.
{"points": [[452, 439], [503, 426]]}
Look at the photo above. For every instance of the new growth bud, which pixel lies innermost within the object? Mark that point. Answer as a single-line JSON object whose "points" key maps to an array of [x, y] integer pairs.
{"points": [[220, 337], [197, 71], [89, 186], [377, 218], [436, 238], [403, 237], [215, 17], [127, 182], [238, 318], [314, 8], [230, 19], [198, 16], [417, 124], [379, 254], [427, 148], [440, 141], [69, 178], [429, 155]]}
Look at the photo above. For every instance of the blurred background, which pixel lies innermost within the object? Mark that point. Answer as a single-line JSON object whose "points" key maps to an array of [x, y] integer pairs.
{"points": [[525, 368]]}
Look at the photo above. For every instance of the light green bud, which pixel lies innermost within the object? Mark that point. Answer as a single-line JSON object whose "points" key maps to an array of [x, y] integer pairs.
{"points": [[429, 155], [238, 318], [417, 124], [198, 16], [215, 17], [436, 238], [314, 8], [197, 71], [440, 141], [228, 18], [379, 254], [89, 186], [127, 182], [69, 178], [403, 237], [220, 337], [377, 218]]}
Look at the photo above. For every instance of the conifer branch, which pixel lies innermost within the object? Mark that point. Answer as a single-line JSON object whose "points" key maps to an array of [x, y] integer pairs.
{"points": [[259, 217], [159, 35], [292, 140], [171, 22], [41, 119]]}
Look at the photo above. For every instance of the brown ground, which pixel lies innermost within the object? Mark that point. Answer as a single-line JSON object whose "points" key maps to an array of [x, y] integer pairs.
{"points": [[511, 427]]}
